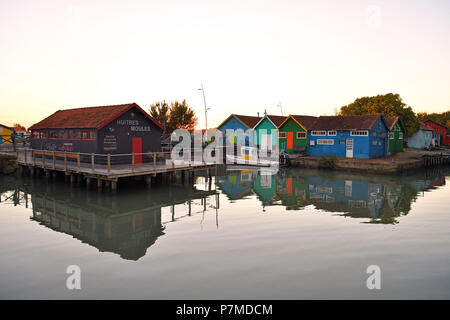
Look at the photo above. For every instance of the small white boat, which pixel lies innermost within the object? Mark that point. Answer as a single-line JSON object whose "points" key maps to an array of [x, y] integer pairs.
{"points": [[249, 156]]}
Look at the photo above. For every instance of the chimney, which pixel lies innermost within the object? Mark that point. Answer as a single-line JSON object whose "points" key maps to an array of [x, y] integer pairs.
{"points": [[258, 114]]}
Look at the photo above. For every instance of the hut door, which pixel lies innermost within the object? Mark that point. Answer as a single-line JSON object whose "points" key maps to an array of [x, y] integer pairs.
{"points": [[290, 140], [349, 148], [137, 150]]}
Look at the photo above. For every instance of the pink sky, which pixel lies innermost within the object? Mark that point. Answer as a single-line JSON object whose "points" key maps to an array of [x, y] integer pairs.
{"points": [[312, 56]]}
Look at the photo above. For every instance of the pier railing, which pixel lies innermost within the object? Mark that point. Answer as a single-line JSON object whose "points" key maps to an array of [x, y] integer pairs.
{"points": [[109, 163]]}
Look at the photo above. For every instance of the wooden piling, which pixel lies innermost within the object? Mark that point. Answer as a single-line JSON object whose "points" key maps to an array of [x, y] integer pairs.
{"points": [[113, 186], [148, 181]]}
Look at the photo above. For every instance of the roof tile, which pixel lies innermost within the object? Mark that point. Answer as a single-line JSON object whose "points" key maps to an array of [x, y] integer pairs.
{"points": [[357, 122], [84, 118]]}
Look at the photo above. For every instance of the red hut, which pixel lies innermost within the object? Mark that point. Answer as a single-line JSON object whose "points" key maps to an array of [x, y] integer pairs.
{"points": [[442, 130]]}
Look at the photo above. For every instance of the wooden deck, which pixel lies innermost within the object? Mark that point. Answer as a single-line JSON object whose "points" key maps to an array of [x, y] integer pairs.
{"points": [[71, 164]]}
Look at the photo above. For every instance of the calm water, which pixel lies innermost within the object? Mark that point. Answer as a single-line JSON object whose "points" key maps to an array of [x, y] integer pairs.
{"points": [[298, 234]]}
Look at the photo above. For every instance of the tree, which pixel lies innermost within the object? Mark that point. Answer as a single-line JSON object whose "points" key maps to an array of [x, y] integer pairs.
{"points": [[176, 116], [160, 112], [442, 118], [19, 127], [389, 105]]}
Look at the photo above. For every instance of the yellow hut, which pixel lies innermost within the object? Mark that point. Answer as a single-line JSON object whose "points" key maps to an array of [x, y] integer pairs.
{"points": [[5, 134]]}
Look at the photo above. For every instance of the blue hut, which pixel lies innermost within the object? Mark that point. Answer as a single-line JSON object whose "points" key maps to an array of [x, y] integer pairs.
{"points": [[358, 136], [237, 122]]}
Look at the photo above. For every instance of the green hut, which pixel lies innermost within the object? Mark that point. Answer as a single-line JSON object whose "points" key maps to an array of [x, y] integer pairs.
{"points": [[396, 134], [293, 133], [264, 136]]}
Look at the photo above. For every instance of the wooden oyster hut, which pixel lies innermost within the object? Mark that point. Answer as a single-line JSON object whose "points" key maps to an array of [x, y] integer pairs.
{"points": [[118, 129]]}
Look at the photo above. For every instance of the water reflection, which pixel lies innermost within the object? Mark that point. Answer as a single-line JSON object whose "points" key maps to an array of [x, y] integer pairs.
{"points": [[127, 223], [130, 222], [381, 199]]}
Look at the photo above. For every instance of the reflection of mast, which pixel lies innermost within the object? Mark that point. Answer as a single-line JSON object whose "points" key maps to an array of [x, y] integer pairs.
{"points": [[127, 228]]}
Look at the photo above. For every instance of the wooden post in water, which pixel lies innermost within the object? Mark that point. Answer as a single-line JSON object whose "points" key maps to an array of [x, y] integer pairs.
{"points": [[78, 160], [154, 159], [148, 181], [99, 184], [113, 186], [109, 163]]}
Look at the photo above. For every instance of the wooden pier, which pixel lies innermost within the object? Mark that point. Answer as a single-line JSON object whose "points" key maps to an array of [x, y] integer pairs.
{"points": [[106, 170], [434, 160]]}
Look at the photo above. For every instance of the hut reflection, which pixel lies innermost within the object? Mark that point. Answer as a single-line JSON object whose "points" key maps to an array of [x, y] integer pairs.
{"points": [[127, 223]]}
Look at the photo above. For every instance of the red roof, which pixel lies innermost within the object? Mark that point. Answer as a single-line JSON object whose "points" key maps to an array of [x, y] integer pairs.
{"points": [[436, 123], [357, 122], [424, 126], [90, 117], [276, 120], [249, 121], [390, 121], [305, 121]]}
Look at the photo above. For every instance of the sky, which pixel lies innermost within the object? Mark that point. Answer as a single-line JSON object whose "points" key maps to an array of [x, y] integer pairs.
{"points": [[310, 57]]}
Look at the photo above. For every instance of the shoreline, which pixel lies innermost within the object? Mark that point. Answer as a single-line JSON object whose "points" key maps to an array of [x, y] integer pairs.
{"points": [[396, 164]]}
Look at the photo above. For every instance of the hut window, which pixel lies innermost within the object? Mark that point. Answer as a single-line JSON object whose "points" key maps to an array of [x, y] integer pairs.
{"points": [[36, 135], [325, 141], [318, 133], [88, 135], [359, 133], [301, 135], [282, 134], [400, 135], [391, 135], [53, 134], [332, 132], [74, 134]]}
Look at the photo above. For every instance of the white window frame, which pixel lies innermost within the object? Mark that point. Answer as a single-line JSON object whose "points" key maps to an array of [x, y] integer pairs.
{"points": [[316, 133], [400, 135], [359, 133], [298, 133], [325, 142], [332, 133], [391, 136]]}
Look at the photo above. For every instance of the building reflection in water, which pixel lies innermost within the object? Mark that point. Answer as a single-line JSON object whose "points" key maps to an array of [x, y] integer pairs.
{"points": [[381, 199], [127, 223]]}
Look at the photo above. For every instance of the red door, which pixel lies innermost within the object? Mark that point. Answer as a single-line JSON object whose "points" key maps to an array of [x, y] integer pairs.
{"points": [[289, 186], [290, 140], [137, 150]]}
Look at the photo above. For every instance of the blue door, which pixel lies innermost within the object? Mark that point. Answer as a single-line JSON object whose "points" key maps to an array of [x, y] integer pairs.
{"points": [[283, 146]]}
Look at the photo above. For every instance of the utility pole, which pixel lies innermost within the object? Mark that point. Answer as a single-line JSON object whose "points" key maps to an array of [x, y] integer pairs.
{"points": [[206, 110]]}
